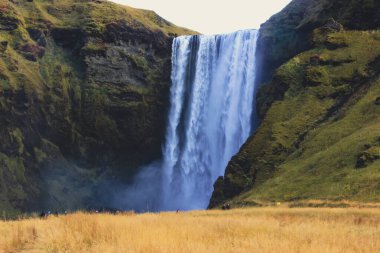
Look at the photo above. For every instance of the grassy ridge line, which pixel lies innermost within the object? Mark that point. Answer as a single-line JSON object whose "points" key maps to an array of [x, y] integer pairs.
{"points": [[325, 163], [241, 230], [96, 14]]}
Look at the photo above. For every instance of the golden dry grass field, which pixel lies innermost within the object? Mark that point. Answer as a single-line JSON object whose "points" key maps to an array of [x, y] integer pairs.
{"points": [[262, 230]]}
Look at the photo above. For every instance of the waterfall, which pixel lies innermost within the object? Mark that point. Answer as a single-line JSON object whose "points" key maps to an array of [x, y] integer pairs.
{"points": [[211, 114]]}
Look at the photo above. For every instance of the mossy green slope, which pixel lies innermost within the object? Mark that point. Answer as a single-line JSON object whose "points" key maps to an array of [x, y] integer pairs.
{"points": [[320, 129], [324, 164], [287, 33], [83, 95]]}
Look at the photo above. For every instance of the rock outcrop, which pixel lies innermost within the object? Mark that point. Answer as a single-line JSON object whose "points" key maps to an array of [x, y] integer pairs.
{"points": [[317, 107], [288, 33], [83, 96]]}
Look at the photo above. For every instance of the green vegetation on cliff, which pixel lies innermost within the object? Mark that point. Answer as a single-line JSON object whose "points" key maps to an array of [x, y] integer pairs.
{"points": [[319, 136], [288, 33], [83, 95]]}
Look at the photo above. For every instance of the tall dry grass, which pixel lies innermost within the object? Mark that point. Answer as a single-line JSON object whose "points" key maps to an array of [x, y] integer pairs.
{"points": [[244, 230]]}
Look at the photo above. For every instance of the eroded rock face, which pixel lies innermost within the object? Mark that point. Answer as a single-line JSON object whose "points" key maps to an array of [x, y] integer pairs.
{"points": [[153, 40], [287, 33], [83, 101], [132, 73], [313, 88], [367, 157], [332, 26], [70, 38], [7, 23], [31, 51], [118, 64], [3, 46], [370, 153], [38, 36]]}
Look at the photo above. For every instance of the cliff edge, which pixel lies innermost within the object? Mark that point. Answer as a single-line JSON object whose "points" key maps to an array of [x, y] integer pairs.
{"points": [[83, 96], [319, 108]]}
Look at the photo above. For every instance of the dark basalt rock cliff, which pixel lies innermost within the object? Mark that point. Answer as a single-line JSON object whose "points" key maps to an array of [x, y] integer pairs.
{"points": [[288, 33], [318, 137], [83, 96]]}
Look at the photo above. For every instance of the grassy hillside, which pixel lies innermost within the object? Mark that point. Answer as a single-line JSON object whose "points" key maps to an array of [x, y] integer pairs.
{"points": [[83, 95], [287, 33], [327, 153], [320, 128]]}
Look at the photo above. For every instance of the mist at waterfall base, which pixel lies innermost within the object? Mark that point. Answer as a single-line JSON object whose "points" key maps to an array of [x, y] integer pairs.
{"points": [[211, 115]]}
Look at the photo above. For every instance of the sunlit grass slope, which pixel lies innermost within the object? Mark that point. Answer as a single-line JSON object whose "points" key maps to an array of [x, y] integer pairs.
{"points": [[325, 163], [280, 230], [70, 13], [320, 129]]}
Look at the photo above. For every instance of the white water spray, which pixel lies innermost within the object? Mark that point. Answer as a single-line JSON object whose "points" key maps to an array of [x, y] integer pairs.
{"points": [[212, 102], [211, 116]]}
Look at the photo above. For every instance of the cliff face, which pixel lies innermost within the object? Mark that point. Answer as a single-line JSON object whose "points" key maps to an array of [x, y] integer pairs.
{"points": [[83, 96], [319, 134], [288, 33]]}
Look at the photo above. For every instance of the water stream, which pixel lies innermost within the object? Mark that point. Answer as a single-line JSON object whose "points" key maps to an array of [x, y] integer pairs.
{"points": [[211, 114]]}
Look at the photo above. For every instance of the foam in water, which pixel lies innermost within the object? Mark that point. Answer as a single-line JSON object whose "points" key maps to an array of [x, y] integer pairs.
{"points": [[212, 104], [211, 116]]}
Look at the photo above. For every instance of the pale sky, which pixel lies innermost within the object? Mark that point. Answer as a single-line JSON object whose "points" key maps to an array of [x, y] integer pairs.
{"points": [[212, 16]]}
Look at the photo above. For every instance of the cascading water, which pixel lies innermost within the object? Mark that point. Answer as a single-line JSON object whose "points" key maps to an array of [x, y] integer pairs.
{"points": [[211, 116], [212, 101]]}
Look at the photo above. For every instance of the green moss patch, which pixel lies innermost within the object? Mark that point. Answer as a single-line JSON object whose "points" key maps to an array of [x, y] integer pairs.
{"points": [[318, 113]]}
